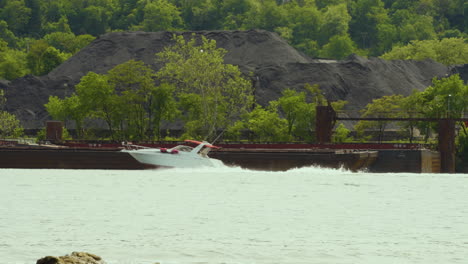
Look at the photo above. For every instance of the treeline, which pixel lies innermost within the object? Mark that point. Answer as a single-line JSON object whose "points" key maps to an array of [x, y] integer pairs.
{"points": [[36, 36], [204, 96], [195, 89]]}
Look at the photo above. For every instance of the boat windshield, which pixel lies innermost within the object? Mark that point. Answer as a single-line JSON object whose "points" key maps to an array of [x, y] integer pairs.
{"points": [[183, 148]]}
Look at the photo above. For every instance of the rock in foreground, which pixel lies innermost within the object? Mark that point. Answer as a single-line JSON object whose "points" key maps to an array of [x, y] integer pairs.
{"points": [[73, 258]]}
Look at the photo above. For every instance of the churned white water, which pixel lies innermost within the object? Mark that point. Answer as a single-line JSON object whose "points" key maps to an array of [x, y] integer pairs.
{"points": [[230, 215]]}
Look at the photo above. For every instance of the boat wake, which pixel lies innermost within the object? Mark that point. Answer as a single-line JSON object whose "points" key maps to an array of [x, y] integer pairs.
{"points": [[240, 170]]}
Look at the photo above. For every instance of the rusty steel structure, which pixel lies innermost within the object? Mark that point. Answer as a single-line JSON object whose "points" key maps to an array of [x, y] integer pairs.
{"points": [[54, 131], [327, 117]]}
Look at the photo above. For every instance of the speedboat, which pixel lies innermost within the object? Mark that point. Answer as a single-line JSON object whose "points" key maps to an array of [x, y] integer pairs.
{"points": [[180, 156]]}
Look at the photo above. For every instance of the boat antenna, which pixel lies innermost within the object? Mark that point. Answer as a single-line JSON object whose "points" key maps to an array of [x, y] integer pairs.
{"points": [[222, 132]]}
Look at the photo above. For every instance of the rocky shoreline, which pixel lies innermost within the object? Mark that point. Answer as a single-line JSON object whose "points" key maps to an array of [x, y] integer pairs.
{"points": [[74, 258]]}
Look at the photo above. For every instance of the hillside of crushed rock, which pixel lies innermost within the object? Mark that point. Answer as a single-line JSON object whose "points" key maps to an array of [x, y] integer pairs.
{"points": [[270, 62]]}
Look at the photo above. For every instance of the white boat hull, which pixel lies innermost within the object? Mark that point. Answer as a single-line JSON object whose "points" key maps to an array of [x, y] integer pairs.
{"points": [[180, 160]]}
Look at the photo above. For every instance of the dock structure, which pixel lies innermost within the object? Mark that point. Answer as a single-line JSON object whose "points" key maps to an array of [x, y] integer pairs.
{"points": [[446, 132], [372, 157]]}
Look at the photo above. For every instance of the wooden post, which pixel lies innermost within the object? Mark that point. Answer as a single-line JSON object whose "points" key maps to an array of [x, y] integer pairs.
{"points": [[447, 145]]}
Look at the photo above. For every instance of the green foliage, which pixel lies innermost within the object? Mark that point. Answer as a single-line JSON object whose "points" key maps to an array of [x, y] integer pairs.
{"points": [[41, 135], [341, 134], [134, 82], [290, 118], [339, 47], [447, 51], [10, 126], [2, 99], [68, 42], [384, 107], [446, 97], [298, 109], [7, 35], [266, 125], [161, 15], [331, 29], [292, 104], [17, 15], [42, 58], [12, 63], [336, 22], [200, 69], [164, 107], [126, 98], [70, 109], [61, 26]]}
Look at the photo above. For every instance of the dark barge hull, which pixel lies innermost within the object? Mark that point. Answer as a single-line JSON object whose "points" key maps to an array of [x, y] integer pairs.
{"points": [[408, 160], [42, 158], [258, 159]]}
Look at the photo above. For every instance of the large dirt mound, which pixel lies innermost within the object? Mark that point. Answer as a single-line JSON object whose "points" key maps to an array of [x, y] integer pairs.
{"points": [[272, 64]]}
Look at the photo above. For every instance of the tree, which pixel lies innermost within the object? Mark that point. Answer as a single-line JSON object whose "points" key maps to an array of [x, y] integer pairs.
{"points": [[417, 28], [2, 100], [446, 97], [161, 15], [98, 96], [134, 83], [266, 124], [52, 58], [367, 15], [12, 64], [199, 69], [338, 48], [68, 42], [234, 13], [95, 20], [336, 22], [292, 104], [42, 58], [10, 126], [201, 14], [411, 108], [163, 106], [35, 21], [384, 107], [341, 134], [266, 15], [17, 16], [447, 51], [305, 22], [60, 26], [68, 109], [7, 35]]}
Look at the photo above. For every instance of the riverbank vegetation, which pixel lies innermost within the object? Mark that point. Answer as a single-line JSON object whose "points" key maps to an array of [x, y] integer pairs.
{"points": [[36, 36], [10, 126], [194, 86], [211, 97]]}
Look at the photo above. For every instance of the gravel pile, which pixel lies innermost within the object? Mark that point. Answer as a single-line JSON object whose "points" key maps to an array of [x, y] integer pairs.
{"points": [[267, 59]]}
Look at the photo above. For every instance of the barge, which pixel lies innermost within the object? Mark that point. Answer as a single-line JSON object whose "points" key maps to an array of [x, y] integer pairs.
{"points": [[256, 156]]}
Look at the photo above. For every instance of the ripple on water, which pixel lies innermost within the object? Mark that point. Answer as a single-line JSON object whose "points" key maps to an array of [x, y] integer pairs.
{"points": [[232, 215]]}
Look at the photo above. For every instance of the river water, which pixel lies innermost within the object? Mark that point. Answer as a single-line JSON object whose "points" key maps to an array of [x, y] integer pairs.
{"points": [[230, 215]]}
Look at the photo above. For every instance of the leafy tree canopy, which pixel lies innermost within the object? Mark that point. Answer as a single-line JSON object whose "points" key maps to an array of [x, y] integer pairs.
{"points": [[199, 68], [448, 51]]}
